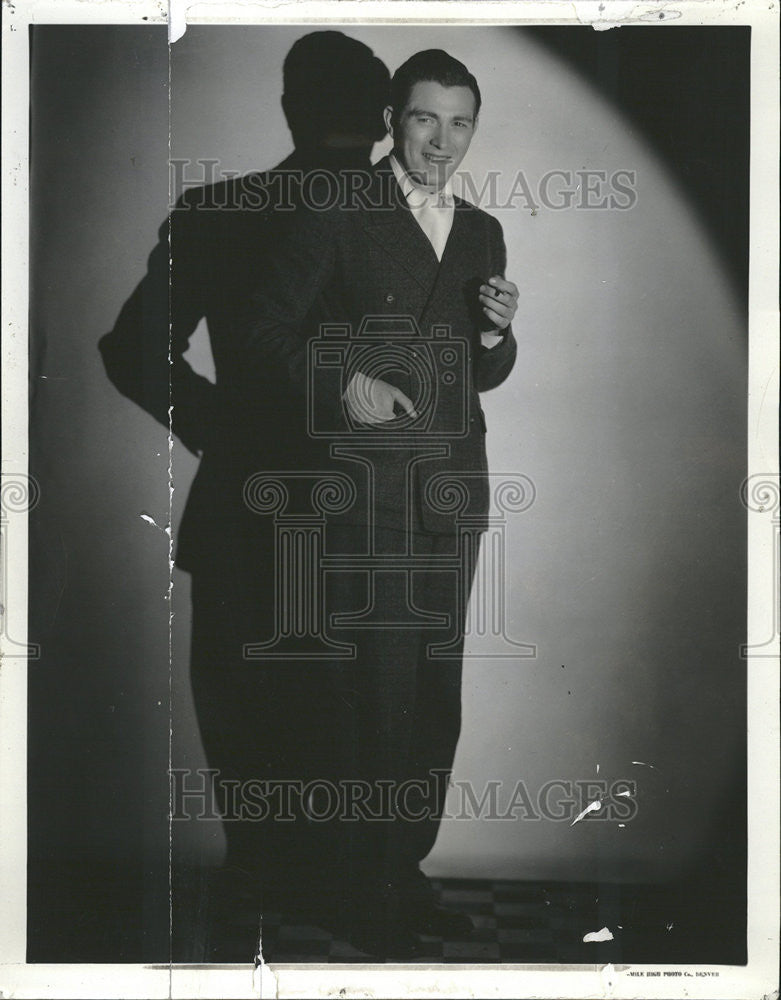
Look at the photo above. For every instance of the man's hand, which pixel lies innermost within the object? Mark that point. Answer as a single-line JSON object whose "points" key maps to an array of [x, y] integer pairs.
{"points": [[499, 299], [370, 400]]}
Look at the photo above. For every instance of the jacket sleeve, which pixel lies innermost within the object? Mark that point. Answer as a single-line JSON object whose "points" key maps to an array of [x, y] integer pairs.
{"points": [[495, 364], [143, 353]]}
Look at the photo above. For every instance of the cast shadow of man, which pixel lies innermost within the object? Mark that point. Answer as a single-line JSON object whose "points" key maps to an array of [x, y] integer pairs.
{"points": [[259, 721]]}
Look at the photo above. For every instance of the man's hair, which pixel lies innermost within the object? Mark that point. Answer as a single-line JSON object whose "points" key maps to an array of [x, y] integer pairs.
{"points": [[433, 65]]}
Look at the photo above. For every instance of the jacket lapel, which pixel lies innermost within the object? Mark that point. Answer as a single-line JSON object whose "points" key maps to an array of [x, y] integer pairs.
{"points": [[392, 225]]}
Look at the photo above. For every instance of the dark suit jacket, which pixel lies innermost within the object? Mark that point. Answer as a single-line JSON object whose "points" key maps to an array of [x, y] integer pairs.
{"points": [[364, 263]]}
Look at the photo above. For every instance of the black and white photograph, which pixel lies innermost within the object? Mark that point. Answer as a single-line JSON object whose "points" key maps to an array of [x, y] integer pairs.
{"points": [[390, 502]]}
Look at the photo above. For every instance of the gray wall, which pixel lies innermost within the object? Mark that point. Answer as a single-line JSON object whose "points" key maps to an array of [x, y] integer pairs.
{"points": [[626, 410]]}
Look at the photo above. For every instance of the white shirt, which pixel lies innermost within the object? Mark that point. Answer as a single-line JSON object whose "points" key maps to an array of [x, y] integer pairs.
{"points": [[433, 211]]}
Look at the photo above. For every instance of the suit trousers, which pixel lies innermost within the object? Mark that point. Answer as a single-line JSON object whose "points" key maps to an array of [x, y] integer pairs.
{"points": [[365, 741], [399, 700]]}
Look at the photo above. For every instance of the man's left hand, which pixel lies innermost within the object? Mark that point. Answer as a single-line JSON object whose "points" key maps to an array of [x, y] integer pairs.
{"points": [[499, 299]]}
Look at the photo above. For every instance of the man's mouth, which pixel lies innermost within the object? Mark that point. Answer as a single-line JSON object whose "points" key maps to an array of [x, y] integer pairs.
{"points": [[437, 158]]}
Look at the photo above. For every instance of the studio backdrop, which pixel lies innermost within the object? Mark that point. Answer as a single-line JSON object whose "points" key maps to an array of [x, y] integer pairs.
{"points": [[623, 569]]}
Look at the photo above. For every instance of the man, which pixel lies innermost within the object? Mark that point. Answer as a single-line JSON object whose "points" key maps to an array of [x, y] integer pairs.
{"points": [[408, 430], [252, 717]]}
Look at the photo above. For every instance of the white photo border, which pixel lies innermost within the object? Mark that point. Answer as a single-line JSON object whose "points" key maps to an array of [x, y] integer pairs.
{"points": [[759, 976]]}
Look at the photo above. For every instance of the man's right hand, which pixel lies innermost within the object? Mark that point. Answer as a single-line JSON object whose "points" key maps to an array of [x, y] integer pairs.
{"points": [[371, 401]]}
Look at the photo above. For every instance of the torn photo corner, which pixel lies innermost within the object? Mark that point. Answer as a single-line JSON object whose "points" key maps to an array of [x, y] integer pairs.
{"points": [[389, 512]]}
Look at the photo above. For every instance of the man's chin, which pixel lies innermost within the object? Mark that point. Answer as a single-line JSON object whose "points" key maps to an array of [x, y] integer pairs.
{"points": [[434, 176]]}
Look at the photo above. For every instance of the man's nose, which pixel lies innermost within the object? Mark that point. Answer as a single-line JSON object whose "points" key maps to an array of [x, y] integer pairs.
{"points": [[439, 137]]}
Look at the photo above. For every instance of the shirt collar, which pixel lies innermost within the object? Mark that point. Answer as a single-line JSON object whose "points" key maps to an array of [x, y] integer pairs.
{"points": [[416, 196]]}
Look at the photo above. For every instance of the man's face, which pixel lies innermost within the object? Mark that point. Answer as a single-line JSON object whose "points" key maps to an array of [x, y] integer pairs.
{"points": [[433, 132]]}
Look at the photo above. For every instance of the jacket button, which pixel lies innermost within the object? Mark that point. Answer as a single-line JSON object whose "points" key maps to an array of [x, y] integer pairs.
{"points": [[471, 420], [390, 298]]}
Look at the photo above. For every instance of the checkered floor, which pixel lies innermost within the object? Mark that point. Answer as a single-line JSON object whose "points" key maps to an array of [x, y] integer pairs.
{"points": [[85, 912], [515, 922], [510, 926]]}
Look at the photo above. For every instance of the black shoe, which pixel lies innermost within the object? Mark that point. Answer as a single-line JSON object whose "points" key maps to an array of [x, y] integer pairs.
{"points": [[438, 921]]}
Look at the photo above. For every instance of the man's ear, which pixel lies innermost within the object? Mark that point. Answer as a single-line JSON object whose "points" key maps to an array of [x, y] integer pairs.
{"points": [[387, 117]]}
